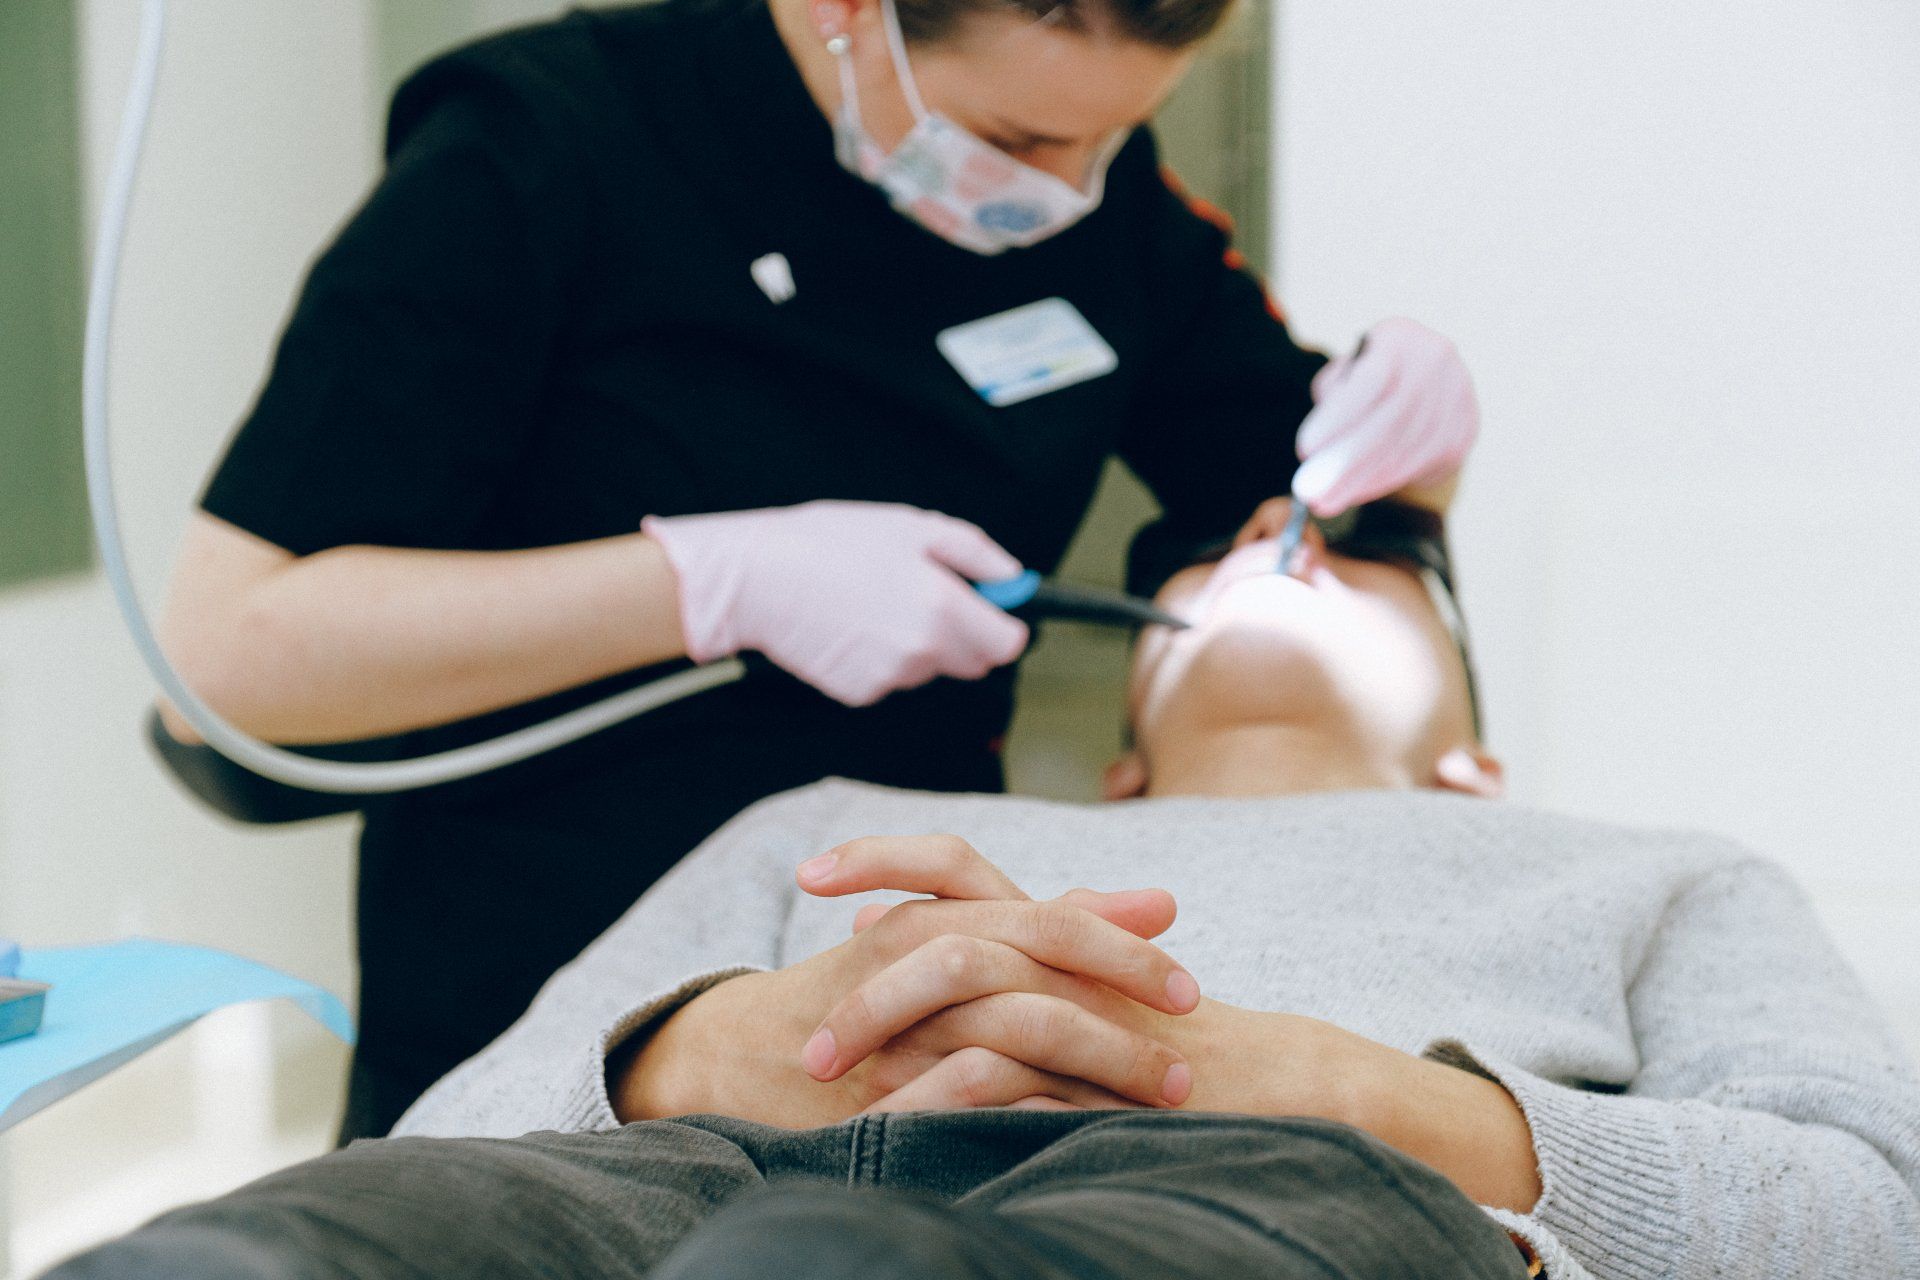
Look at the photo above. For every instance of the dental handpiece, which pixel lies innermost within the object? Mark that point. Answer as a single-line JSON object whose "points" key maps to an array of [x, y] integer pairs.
{"points": [[1033, 597], [1291, 535]]}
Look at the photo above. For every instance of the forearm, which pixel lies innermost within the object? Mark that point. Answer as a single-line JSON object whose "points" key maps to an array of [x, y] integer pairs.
{"points": [[1794, 1170], [359, 642], [670, 1069], [1467, 1127], [722, 1053]]}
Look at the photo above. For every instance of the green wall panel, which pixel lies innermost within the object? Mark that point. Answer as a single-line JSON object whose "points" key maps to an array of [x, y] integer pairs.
{"points": [[43, 527], [410, 32]]}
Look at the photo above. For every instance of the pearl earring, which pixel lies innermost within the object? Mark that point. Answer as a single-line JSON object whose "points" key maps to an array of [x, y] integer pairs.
{"points": [[839, 45]]}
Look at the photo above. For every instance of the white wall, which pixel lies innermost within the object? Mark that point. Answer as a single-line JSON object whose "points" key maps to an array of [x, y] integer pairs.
{"points": [[262, 142], [1677, 243], [1678, 252]]}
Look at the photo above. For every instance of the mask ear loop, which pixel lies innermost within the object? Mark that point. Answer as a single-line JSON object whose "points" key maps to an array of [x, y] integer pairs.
{"points": [[841, 47], [1094, 185], [902, 69], [849, 130]]}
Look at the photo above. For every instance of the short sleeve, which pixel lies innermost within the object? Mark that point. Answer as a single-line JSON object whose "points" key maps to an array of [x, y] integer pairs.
{"points": [[412, 370], [1212, 432]]}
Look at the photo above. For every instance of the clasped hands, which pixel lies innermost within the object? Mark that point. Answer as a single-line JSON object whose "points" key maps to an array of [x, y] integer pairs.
{"points": [[977, 996]]}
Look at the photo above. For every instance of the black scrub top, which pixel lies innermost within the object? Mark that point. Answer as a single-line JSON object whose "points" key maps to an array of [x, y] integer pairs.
{"points": [[543, 326]]}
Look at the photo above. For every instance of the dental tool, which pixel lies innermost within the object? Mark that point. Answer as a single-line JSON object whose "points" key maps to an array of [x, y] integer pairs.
{"points": [[1291, 535], [1033, 597], [236, 788]]}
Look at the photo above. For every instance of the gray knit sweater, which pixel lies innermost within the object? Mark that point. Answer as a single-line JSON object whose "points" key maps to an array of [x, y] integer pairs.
{"points": [[1709, 1090]]}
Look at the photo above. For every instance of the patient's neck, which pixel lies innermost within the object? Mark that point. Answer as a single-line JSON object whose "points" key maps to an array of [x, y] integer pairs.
{"points": [[1267, 760]]}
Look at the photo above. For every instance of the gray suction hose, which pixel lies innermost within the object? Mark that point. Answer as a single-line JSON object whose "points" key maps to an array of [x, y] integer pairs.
{"points": [[263, 758]]}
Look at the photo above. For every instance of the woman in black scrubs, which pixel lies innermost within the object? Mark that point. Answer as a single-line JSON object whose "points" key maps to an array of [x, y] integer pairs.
{"points": [[709, 256]]}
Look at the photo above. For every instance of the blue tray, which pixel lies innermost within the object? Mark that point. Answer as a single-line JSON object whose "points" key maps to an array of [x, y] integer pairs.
{"points": [[114, 1002], [22, 1005]]}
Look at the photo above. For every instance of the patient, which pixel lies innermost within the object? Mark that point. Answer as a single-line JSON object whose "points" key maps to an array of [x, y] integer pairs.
{"points": [[1387, 998]]}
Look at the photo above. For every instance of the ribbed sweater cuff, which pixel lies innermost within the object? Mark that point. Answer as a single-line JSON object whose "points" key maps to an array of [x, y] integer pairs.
{"points": [[585, 1106], [1613, 1191]]}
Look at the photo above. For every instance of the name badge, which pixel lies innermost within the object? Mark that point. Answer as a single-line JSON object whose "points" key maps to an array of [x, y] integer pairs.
{"points": [[1027, 352]]}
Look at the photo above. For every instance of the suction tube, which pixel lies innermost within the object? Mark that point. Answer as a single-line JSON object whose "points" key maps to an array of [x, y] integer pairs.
{"points": [[290, 767]]}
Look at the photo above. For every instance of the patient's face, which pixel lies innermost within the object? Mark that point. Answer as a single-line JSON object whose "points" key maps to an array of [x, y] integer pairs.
{"points": [[1345, 645]]}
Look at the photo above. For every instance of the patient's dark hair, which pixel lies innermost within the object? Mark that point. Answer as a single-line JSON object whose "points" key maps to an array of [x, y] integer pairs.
{"points": [[1172, 24]]}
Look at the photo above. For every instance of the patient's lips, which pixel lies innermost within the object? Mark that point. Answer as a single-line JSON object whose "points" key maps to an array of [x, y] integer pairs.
{"points": [[1249, 573], [1260, 560]]}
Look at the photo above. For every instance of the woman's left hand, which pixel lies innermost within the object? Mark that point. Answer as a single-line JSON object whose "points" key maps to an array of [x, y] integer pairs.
{"points": [[1398, 414]]}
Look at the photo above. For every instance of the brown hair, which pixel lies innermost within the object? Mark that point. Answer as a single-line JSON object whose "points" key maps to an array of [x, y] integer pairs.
{"points": [[1172, 24]]}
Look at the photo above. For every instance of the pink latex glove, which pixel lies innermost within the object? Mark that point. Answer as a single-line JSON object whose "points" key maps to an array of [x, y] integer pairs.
{"points": [[856, 598], [1399, 412]]}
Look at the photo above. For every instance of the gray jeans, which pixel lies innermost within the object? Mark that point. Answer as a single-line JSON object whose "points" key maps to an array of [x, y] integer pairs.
{"points": [[986, 1194]]}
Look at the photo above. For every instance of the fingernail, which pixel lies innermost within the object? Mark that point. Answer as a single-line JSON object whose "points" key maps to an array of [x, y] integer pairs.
{"points": [[1182, 990], [815, 869], [1178, 1084], [818, 1056]]}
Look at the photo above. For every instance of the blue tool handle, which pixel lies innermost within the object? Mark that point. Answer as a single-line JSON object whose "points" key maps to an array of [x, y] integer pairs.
{"points": [[1010, 593], [9, 959]]}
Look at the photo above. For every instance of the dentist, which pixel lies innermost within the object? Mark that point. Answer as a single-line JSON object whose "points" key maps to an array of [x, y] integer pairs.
{"points": [[685, 329]]}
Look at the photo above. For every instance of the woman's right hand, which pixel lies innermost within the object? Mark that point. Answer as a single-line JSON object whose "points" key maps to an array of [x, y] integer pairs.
{"points": [[858, 599]]}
